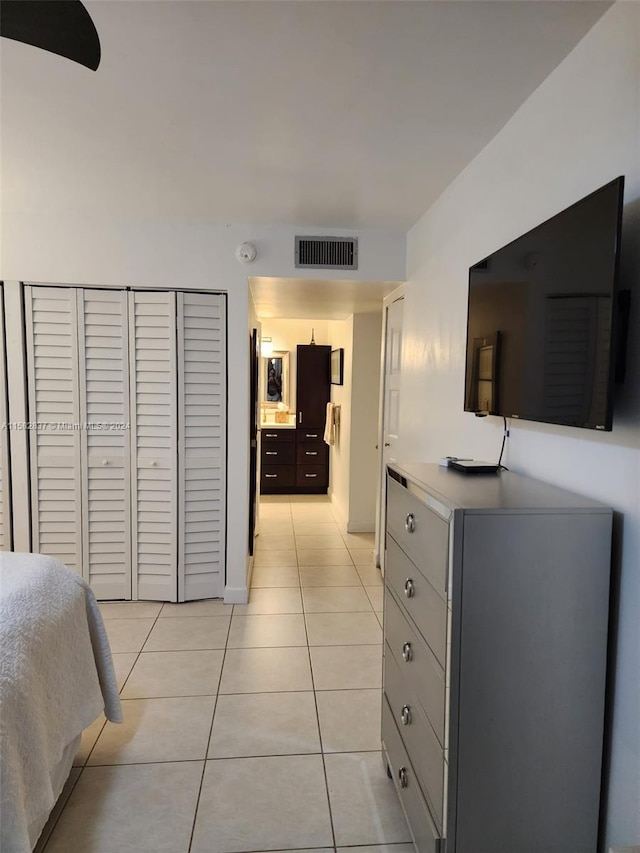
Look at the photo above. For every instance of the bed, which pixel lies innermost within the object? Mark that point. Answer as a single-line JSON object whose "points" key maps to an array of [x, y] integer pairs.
{"points": [[56, 677]]}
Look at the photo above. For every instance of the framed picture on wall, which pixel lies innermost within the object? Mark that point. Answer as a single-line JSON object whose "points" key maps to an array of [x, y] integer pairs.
{"points": [[337, 366]]}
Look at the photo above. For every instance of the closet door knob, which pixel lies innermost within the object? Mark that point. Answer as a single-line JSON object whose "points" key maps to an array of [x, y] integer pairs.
{"points": [[153, 463], [410, 523], [405, 716], [407, 653], [105, 461], [403, 777], [409, 589]]}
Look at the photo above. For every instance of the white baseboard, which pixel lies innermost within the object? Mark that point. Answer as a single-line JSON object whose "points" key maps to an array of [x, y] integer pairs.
{"points": [[361, 527], [236, 595], [633, 849]]}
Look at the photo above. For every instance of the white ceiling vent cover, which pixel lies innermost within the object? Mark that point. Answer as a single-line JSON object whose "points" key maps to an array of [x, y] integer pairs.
{"points": [[327, 253]]}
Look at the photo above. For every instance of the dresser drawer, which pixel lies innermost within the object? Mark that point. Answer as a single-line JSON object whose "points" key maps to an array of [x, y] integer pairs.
{"points": [[310, 434], [281, 436], [312, 453], [278, 475], [278, 454], [420, 532], [425, 835], [419, 738], [312, 475], [421, 670], [427, 609]]}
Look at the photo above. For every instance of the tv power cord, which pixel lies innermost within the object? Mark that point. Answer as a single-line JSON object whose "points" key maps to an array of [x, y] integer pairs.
{"points": [[505, 436]]}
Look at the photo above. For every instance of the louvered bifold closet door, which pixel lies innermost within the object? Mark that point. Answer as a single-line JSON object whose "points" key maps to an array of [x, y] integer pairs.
{"points": [[51, 322], [103, 335], [202, 430], [154, 442], [5, 478]]}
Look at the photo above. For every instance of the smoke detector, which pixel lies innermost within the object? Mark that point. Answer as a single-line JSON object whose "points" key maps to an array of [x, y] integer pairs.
{"points": [[246, 253]]}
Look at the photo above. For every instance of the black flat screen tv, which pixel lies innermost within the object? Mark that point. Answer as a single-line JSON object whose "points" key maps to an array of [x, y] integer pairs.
{"points": [[540, 338]]}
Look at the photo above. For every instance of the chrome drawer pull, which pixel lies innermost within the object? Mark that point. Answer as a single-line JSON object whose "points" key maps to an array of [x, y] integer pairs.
{"points": [[311, 453], [271, 452], [270, 476], [407, 653], [403, 777], [310, 475], [311, 435], [410, 523], [405, 716], [271, 435], [409, 589]]}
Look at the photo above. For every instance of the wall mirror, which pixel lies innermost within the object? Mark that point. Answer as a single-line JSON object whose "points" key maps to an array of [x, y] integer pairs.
{"points": [[275, 379]]}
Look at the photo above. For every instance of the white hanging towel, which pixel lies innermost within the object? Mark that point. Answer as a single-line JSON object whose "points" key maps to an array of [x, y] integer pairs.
{"points": [[330, 426]]}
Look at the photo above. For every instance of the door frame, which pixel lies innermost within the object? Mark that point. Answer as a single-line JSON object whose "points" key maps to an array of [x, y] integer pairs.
{"points": [[399, 293]]}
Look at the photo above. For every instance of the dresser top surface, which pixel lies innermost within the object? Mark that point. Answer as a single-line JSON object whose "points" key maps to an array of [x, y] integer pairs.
{"points": [[485, 492]]}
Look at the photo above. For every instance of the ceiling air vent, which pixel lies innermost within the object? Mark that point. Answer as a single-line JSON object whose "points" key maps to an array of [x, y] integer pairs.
{"points": [[327, 253]]}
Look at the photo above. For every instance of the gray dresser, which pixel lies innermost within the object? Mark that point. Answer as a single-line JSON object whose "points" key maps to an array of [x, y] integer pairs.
{"points": [[495, 626]]}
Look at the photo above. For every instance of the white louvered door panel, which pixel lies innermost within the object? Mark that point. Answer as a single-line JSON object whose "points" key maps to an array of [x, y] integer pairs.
{"points": [[154, 442], [103, 332], [202, 431], [52, 366], [5, 479]]}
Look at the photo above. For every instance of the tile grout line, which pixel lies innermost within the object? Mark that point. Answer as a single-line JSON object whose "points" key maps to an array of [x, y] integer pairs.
{"points": [[206, 752], [315, 702]]}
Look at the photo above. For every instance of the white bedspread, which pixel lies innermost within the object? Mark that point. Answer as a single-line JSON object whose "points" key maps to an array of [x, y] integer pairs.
{"points": [[56, 676]]}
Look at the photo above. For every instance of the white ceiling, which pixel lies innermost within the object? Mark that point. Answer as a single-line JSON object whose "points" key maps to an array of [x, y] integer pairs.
{"points": [[332, 114], [335, 114], [300, 299]]}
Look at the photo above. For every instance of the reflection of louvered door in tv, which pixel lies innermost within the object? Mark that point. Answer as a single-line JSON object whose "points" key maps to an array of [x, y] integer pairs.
{"points": [[484, 389]]}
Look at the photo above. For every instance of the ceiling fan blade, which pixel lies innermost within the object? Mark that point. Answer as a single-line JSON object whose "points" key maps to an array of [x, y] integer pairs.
{"points": [[59, 26]]}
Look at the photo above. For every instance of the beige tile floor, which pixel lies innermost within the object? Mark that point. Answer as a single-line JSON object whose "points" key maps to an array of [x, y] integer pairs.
{"points": [[250, 727]]}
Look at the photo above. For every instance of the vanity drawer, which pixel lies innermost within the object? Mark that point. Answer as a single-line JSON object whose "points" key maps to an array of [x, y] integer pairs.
{"points": [[312, 475], [278, 475], [271, 435], [275, 454], [419, 738], [423, 604], [425, 835], [420, 532], [421, 670], [309, 434], [312, 453]]}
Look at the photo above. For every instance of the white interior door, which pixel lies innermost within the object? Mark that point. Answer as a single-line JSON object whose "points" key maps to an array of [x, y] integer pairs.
{"points": [[202, 431], [51, 321], [154, 444], [103, 346], [390, 407], [5, 477]]}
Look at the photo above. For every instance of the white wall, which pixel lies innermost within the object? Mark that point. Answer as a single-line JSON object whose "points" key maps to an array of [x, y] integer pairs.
{"points": [[579, 130], [354, 458], [341, 335], [89, 249], [365, 394]]}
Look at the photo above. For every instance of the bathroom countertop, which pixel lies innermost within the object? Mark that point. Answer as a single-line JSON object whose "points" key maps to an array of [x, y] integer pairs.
{"points": [[274, 425]]}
